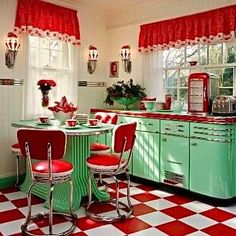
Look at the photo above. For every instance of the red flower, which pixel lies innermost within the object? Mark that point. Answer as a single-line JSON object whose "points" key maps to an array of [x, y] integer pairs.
{"points": [[46, 84]]}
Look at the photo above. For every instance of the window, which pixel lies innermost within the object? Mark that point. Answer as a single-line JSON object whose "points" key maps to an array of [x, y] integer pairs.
{"points": [[53, 59], [219, 60]]}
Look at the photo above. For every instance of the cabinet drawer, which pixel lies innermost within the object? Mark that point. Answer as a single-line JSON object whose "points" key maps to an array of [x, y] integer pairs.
{"points": [[143, 124], [212, 132], [179, 128]]}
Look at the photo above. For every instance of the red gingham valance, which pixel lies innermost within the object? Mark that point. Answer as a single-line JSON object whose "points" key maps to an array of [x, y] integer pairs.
{"points": [[36, 17], [213, 26]]}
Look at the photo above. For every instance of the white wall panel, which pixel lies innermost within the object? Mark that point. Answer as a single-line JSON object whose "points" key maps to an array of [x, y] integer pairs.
{"points": [[11, 110]]}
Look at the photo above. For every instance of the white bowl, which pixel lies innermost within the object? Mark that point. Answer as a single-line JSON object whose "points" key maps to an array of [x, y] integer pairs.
{"points": [[63, 116]]}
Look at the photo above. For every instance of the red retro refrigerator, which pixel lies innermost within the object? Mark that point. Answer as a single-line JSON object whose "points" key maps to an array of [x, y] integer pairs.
{"points": [[198, 93]]}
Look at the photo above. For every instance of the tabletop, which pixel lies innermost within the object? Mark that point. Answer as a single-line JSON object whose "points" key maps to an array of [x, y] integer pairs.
{"points": [[79, 130]]}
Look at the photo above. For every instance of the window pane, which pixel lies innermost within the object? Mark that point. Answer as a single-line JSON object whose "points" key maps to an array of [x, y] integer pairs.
{"points": [[203, 54], [227, 78], [173, 57], [55, 44], [33, 41], [191, 53], [183, 94], [172, 78], [184, 78], [45, 42], [229, 54], [55, 58], [226, 91], [173, 93], [215, 54], [45, 57]]}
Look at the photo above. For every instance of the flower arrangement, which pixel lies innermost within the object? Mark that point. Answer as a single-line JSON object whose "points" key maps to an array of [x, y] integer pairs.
{"points": [[45, 86], [124, 90]]}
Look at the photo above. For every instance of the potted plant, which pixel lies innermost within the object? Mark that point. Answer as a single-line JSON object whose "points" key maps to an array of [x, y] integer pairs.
{"points": [[125, 93]]}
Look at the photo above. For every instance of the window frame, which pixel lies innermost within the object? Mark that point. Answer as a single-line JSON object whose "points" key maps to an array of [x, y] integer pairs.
{"points": [[198, 68]]}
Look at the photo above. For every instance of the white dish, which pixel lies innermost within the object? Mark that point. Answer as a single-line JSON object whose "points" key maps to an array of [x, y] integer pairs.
{"points": [[39, 123], [92, 126], [70, 127]]}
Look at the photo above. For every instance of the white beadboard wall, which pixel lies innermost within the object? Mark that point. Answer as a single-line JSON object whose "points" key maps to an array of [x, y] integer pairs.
{"points": [[11, 110]]}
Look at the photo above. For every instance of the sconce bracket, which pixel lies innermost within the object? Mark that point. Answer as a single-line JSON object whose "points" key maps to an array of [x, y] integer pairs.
{"points": [[127, 65], [10, 57], [91, 66]]}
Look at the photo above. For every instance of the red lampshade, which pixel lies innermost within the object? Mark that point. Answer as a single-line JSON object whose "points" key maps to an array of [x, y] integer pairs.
{"points": [[125, 52], [93, 53], [12, 42]]}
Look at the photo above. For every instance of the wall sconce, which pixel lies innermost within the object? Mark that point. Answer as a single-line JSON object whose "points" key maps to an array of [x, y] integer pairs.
{"points": [[125, 57], [12, 43], [92, 60]]}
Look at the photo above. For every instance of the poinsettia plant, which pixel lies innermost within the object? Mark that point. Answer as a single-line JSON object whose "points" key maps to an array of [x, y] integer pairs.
{"points": [[124, 90], [63, 106]]}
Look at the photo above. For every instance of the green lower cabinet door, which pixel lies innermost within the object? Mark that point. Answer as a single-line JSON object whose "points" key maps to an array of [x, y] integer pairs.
{"points": [[145, 162], [211, 168], [174, 160]]}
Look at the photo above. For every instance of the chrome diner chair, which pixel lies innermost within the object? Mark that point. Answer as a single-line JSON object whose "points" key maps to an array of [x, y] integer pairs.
{"points": [[113, 164], [106, 118], [15, 148], [46, 148]]}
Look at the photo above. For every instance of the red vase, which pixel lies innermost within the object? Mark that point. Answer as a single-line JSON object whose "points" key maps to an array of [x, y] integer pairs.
{"points": [[167, 104], [45, 98]]}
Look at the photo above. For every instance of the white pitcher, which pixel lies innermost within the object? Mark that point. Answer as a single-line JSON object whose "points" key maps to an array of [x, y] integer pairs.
{"points": [[178, 105]]}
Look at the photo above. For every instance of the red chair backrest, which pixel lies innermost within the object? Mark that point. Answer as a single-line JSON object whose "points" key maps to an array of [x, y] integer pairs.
{"points": [[107, 117], [121, 133], [38, 140]]}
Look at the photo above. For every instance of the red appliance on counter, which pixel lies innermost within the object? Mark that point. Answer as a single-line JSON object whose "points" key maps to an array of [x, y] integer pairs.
{"points": [[198, 93]]}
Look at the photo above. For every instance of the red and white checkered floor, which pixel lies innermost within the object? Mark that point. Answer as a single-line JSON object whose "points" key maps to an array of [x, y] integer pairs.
{"points": [[156, 213]]}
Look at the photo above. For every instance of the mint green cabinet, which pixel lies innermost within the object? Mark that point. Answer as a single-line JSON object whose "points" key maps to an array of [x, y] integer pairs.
{"points": [[145, 160], [212, 162], [174, 153]]}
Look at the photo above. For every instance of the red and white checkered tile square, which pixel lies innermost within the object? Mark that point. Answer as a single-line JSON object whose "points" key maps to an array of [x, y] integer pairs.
{"points": [[156, 213]]}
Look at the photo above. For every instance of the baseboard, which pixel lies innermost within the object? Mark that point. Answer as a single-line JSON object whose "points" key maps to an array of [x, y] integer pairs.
{"points": [[9, 181]]}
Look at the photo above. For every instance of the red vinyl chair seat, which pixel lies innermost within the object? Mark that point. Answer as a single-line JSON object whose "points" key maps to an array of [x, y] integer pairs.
{"points": [[16, 148], [105, 162], [99, 148], [59, 168]]}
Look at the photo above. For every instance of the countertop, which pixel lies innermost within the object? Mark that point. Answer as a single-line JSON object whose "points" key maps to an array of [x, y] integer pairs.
{"points": [[171, 115]]}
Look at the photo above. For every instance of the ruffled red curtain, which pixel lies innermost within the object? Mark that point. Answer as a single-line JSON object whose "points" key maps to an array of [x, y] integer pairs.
{"points": [[44, 19], [213, 26]]}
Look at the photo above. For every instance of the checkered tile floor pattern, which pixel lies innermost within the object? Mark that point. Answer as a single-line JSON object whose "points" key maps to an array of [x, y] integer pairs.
{"points": [[156, 213]]}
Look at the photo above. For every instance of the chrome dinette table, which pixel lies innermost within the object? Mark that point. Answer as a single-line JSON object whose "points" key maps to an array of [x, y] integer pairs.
{"points": [[77, 150]]}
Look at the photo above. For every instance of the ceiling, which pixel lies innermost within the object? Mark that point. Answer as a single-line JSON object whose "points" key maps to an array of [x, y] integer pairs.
{"points": [[112, 6]]}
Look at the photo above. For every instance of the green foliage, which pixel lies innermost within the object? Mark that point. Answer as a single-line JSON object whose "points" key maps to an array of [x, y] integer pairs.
{"points": [[125, 90]]}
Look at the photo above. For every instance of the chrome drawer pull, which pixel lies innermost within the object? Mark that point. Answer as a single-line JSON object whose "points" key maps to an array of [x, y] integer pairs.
{"points": [[193, 144], [163, 139], [174, 162]]}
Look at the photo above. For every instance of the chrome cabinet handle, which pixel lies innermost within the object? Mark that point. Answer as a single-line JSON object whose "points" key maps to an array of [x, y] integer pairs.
{"points": [[163, 139]]}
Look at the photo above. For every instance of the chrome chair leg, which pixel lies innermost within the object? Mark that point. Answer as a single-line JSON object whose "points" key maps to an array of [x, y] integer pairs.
{"points": [[128, 190], [51, 208], [71, 196], [89, 190], [17, 170], [117, 195]]}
